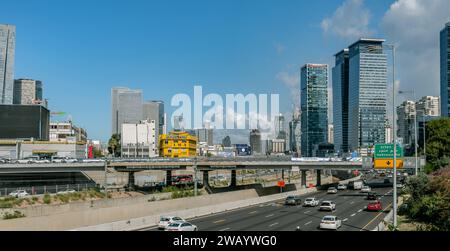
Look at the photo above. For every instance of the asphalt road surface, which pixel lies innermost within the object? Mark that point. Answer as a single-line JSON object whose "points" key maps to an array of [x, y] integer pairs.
{"points": [[275, 216]]}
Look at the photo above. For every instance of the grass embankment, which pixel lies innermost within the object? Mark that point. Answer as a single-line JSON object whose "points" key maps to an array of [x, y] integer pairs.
{"points": [[177, 192]]}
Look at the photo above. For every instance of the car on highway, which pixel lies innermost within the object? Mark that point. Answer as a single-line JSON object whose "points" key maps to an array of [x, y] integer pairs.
{"points": [[70, 160], [181, 226], [27, 160], [293, 200], [342, 187], [311, 202], [332, 190], [374, 206], [366, 189], [165, 221], [330, 222], [390, 176], [372, 196], [58, 159], [19, 193], [327, 206], [68, 191]]}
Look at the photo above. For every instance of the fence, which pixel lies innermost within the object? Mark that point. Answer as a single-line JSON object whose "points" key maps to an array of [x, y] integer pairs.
{"points": [[51, 189]]}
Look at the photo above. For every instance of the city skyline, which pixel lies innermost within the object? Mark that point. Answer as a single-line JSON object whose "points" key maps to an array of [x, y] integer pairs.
{"points": [[81, 88]]}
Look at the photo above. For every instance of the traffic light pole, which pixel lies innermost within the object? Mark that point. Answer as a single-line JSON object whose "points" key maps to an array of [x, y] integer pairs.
{"points": [[394, 133]]}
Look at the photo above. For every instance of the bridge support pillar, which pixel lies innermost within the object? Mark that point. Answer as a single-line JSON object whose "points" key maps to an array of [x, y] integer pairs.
{"points": [[233, 178], [303, 178], [206, 178], [318, 178], [131, 185], [168, 178]]}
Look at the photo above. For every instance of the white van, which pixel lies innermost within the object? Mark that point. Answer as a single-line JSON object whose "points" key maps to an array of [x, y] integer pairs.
{"points": [[357, 185]]}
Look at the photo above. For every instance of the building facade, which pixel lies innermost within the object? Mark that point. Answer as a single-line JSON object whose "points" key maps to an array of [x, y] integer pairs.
{"points": [[27, 91], [406, 113], [340, 101], [428, 106], [205, 135], [154, 110], [126, 107], [314, 107], [67, 132], [7, 54], [279, 127], [388, 132], [445, 70], [177, 145], [24, 122], [139, 140], [367, 94], [295, 134], [255, 141]]}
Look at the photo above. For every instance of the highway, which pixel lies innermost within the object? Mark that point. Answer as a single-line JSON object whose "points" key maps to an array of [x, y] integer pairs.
{"points": [[275, 216]]}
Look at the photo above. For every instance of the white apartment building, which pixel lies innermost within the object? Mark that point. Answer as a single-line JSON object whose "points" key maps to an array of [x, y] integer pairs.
{"points": [[139, 140]]}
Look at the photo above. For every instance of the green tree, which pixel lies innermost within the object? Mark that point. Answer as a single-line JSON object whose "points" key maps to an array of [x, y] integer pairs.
{"points": [[114, 146], [438, 144], [97, 153]]}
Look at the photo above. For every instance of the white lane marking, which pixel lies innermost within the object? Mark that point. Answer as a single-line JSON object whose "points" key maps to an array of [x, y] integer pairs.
{"points": [[352, 215], [276, 223], [352, 202], [308, 223], [307, 212], [270, 215], [225, 229], [346, 219], [360, 210], [253, 212]]}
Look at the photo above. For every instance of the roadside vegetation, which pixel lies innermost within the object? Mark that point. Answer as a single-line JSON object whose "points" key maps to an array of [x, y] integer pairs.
{"points": [[177, 192], [16, 214]]}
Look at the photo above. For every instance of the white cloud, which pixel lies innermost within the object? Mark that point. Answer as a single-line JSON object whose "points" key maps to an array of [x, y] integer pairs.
{"points": [[292, 82], [280, 48], [350, 21], [414, 26]]}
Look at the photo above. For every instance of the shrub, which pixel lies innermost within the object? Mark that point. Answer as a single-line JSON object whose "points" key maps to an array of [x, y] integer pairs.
{"points": [[47, 198], [16, 214]]}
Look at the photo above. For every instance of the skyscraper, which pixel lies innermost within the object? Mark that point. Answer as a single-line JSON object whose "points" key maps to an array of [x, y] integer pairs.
{"points": [[340, 101], [154, 110], [405, 122], [295, 133], [367, 93], [314, 107], [7, 48], [280, 132], [445, 71], [27, 91], [126, 107], [255, 141]]}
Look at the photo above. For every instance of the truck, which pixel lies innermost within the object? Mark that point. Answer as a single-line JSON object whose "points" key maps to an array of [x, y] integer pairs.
{"points": [[357, 185]]}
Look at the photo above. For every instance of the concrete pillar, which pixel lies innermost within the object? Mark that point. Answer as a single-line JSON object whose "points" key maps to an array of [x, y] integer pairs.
{"points": [[131, 180], [205, 178], [318, 178], [303, 177], [168, 178], [282, 174], [233, 178]]}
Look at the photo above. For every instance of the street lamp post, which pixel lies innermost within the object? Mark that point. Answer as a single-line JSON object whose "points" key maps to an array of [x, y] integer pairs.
{"points": [[394, 134]]}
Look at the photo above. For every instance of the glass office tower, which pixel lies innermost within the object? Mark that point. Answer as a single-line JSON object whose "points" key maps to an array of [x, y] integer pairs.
{"points": [[340, 101], [126, 107], [314, 107], [367, 93], [7, 47], [445, 71]]}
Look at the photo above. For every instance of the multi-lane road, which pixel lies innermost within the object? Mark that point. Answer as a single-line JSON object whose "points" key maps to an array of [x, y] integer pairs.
{"points": [[275, 216]]}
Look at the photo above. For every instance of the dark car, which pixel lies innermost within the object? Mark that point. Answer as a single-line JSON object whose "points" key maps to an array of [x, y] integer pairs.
{"points": [[372, 196], [293, 200]]}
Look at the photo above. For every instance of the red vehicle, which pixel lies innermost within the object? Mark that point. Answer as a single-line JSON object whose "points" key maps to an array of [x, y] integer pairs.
{"points": [[182, 179], [374, 206]]}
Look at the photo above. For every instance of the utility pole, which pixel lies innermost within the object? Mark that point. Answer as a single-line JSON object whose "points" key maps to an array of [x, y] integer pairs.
{"points": [[195, 177]]}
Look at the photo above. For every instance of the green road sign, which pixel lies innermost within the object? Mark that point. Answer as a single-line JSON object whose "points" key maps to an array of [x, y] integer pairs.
{"points": [[386, 151]]}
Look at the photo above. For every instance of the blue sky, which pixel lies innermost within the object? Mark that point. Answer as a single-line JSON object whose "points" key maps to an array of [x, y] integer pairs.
{"points": [[80, 49]]}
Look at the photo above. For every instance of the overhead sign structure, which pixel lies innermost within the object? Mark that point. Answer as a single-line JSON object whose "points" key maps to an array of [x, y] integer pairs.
{"points": [[384, 156]]}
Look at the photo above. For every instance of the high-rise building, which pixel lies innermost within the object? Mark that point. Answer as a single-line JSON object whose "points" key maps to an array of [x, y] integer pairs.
{"points": [[280, 131], [295, 133], [139, 140], [7, 48], [340, 101], [154, 110], [255, 141], [331, 133], [314, 107], [27, 91], [428, 106], [367, 94], [205, 136], [445, 71], [178, 123], [126, 107], [405, 122], [24, 122]]}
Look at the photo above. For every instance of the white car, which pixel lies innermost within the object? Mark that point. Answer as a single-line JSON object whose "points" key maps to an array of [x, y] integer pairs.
{"points": [[71, 160], [181, 226], [58, 159], [311, 202], [66, 191], [366, 189], [399, 185], [19, 193], [330, 222], [342, 187], [165, 221], [332, 190], [327, 206], [42, 161]]}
